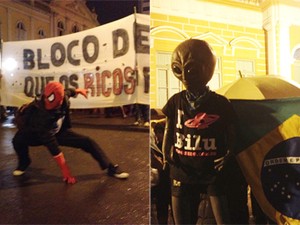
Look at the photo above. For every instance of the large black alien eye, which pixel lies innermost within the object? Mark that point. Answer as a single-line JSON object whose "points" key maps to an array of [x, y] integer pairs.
{"points": [[176, 69]]}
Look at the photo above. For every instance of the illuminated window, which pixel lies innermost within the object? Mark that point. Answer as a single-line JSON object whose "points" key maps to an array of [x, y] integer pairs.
{"points": [[75, 29], [296, 65], [297, 54], [21, 33], [215, 82], [167, 83], [41, 33], [245, 67], [60, 28]]}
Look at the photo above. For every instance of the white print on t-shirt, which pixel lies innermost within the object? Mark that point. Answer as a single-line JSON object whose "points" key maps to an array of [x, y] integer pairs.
{"points": [[191, 141], [209, 144], [59, 123], [180, 113]]}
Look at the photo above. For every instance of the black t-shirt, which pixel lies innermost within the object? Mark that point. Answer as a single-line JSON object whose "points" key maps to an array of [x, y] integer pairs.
{"points": [[200, 136]]}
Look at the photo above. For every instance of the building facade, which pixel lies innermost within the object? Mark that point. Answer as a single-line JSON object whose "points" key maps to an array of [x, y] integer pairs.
{"points": [[36, 19], [144, 6], [250, 38]]}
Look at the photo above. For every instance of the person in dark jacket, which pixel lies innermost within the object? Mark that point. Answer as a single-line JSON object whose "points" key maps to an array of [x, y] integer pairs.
{"points": [[46, 121], [198, 136], [160, 180]]}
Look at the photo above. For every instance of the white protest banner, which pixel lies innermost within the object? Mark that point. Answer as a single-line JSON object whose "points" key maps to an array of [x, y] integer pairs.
{"points": [[142, 49], [110, 61]]}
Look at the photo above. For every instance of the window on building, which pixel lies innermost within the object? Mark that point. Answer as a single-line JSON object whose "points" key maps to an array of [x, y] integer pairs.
{"points": [[75, 29], [245, 67], [167, 83], [41, 33], [21, 33], [60, 28], [216, 80], [297, 54], [144, 6], [296, 65]]}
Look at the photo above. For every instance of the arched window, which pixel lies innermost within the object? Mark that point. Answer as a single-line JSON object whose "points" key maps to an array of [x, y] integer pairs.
{"points": [[297, 54], [75, 29], [167, 83], [21, 33], [60, 28], [296, 65], [41, 34]]}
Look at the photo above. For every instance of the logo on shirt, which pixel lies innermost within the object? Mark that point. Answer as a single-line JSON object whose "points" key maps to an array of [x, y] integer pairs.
{"points": [[201, 121]]}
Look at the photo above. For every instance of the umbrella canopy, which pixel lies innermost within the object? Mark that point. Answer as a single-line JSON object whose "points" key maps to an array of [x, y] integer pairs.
{"points": [[260, 87]]}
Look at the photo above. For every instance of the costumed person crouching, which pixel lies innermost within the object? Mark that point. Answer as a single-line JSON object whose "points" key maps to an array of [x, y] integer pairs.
{"points": [[198, 135], [46, 121]]}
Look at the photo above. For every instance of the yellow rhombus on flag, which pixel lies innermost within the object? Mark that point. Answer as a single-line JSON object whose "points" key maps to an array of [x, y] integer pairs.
{"points": [[271, 166]]}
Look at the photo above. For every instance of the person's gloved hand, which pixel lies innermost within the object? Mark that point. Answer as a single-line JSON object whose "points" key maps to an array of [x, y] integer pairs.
{"points": [[82, 92], [154, 177]]}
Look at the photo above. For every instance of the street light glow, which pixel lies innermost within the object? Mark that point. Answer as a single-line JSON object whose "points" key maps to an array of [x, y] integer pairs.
{"points": [[10, 64]]}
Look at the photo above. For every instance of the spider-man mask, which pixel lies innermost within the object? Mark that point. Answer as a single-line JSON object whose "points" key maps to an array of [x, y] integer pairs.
{"points": [[53, 95]]}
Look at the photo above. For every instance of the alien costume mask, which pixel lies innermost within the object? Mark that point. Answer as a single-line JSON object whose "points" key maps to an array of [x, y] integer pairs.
{"points": [[53, 95], [193, 63]]}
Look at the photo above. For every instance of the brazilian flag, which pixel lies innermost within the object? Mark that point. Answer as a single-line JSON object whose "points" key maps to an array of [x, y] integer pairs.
{"points": [[269, 154]]}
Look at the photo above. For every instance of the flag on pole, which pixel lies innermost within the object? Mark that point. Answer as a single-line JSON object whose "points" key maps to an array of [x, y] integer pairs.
{"points": [[269, 155]]}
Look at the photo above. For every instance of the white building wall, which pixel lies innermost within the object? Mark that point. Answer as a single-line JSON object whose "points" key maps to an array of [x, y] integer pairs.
{"points": [[277, 20], [203, 10]]}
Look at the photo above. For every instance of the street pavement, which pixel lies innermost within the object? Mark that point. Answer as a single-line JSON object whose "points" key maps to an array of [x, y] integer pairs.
{"points": [[41, 197], [112, 123]]}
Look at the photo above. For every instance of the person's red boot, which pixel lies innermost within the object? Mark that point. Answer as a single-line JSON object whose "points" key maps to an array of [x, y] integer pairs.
{"points": [[67, 177]]}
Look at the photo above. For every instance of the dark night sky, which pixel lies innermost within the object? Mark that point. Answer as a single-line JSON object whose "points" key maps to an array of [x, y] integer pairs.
{"points": [[111, 10]]}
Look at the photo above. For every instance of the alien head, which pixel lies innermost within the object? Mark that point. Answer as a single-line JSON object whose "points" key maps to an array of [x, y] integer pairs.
{"points": [[53, 95], [193, 63]]}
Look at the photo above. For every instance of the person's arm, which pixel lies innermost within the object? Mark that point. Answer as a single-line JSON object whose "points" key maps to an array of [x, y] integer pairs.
{"points": [[231, 135], [231, 130], [228, 166], [168, 142], [231, 144], [72, 92]]}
